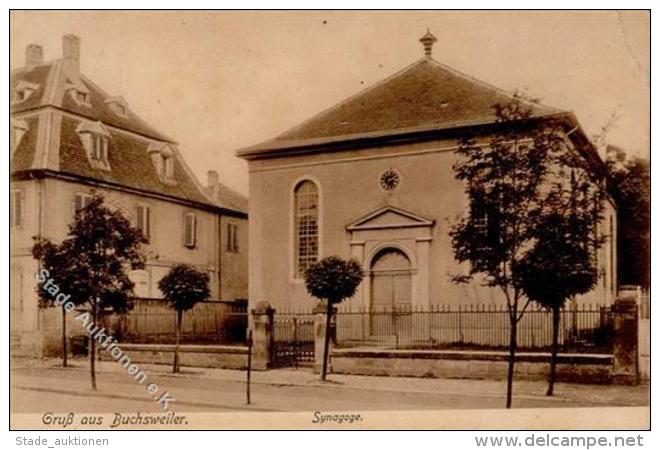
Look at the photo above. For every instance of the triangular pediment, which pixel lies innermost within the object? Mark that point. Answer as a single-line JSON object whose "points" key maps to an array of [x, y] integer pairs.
{"points": [[390, 217]]}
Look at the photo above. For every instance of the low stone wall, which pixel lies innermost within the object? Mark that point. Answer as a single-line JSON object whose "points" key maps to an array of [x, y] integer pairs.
{"points": [[582, 368], [214, 356]]}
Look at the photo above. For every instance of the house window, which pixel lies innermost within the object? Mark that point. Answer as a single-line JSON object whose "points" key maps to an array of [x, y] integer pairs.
{"points": [[306, 207], [82, 97], [144, 220], [162, 157], [168, 164], [232, 238], [99, 148], [96, 140], [117, 105], [16, 208], [23, 94], [189, 230], [80, 201], [23, 91]]}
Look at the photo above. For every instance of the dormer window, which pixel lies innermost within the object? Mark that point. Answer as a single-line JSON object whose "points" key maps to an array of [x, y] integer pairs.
{"points": [[96, 140], [82, 97], [79, 93], [18, 129], [23, 91], [118, 106], [99, 147], [162, 157]]}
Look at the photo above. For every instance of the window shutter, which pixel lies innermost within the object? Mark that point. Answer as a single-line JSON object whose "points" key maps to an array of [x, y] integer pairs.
{"points": [[148, 222], [190, 230], [16, 208], [140, 220], [235, 238], [95, 146], [79, 203], [194, 230]]}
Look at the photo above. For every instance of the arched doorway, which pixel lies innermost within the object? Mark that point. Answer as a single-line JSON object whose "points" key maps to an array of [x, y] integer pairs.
{"points": [[391, 285], [391, 293]]}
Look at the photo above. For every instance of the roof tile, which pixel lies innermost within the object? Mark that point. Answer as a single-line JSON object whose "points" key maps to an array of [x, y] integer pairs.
{"points": [[426, 95]]}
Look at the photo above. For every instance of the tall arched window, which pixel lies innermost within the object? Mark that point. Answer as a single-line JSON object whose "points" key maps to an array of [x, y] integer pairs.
{"points": [[306, 222]]}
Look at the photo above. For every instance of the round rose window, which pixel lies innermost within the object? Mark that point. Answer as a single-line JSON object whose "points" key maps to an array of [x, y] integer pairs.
{"points": [[390, 180]]}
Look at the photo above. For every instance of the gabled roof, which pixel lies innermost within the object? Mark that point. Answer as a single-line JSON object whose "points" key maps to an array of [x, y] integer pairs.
{"points": [[227, 198], [389, 217], [424, 96]]}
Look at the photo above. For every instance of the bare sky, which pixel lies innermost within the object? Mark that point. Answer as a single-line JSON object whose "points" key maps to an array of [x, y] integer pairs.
{"points": [[218, 81]]}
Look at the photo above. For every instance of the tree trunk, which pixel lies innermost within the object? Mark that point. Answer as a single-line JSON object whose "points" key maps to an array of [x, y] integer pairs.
{"points": [[92, 348], [326, 344], [555, 347], [513, 342], [64, 347], [179, 320]]}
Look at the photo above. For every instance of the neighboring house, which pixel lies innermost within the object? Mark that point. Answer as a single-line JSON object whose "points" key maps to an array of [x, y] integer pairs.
{"points": [[70, 137], [233, 238], [371, 178]]}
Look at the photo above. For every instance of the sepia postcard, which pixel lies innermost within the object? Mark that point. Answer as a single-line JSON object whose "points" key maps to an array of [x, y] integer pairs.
{"points": [[330, 220]]}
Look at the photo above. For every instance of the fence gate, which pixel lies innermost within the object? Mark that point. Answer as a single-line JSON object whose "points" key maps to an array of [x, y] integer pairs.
{"points": [[293, 340]]}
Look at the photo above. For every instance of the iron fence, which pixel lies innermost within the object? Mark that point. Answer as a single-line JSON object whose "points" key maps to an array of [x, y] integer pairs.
{"points": [[583, 328], [293, 339], [154, 321]]}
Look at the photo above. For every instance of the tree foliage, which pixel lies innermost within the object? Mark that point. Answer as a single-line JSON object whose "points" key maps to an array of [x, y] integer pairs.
{"points": [[558, 267], [631, 183], [333, 279], [521, 182], [184, 286], [92, 263]]}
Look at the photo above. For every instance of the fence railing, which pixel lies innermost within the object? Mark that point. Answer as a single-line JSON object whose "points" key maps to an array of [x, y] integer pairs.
{"points": [[583, 328], [154, 321]]}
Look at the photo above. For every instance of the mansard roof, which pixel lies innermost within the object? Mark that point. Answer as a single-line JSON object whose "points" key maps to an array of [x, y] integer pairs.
{"points": [[63, 152], [425, 96], [54, 79]]}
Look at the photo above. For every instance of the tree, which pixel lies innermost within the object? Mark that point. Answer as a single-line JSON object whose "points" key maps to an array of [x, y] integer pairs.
{"points": [[563, 261], [630, 179], [561, 265], [506, 182], [53, 258], [100, 249], [184, 287], [333, 280]]}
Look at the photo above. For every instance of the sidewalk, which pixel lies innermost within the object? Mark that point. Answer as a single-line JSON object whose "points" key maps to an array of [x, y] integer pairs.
{"points": [[192, 378]]}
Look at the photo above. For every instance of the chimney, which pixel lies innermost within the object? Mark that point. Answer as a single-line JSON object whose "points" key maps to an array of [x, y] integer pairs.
{"points": [[34, 55], [71, 50], [212, 178]]}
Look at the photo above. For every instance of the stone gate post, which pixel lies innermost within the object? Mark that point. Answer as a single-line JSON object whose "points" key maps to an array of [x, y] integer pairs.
{"points": [[262, 335], [625, 317]]}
